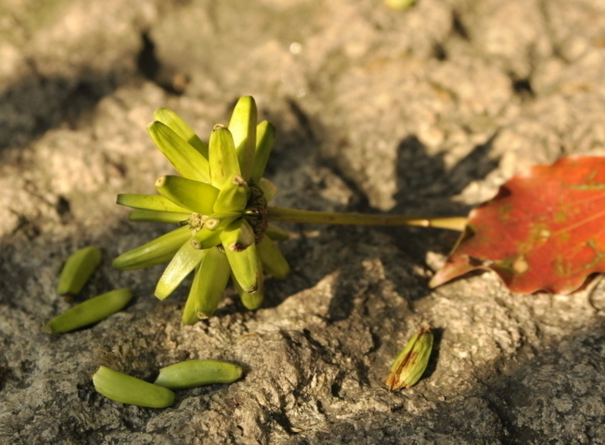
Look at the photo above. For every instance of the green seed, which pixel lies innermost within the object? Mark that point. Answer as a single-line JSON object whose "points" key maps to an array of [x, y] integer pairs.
{"points": [[77, 270], [159, 217], [412, 361], [149, 202], [223, 158], [243, 128], [89, 312], [265, 139], [185, 260], [158, 251], [194, 195], [178, 125], [186, 160], [198, 372], [127, 389], [273, 260], [234, 195]]}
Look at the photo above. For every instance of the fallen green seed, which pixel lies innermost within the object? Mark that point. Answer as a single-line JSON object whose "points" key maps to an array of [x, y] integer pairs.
{"points": [[89, 312], [77, 270], [127, 389], [412, 361], [198, 372]]}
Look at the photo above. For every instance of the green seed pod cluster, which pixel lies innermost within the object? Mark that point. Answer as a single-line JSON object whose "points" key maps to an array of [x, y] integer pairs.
{"points": [[411, 363], [219, 202], [127, 389]]}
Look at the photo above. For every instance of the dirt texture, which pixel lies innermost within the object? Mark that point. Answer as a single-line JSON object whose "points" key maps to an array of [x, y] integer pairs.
{"points": [[422, 111]]}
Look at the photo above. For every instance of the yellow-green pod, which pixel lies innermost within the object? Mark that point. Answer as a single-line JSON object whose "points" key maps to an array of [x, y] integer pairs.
{"points": [[185, 159], [156, 203], [273, 260], [276, 233], [265, 139], [77, 270], [198, 372], [178, 125], [237, 236], [234, 195], [124, 388], [185, 260], [243, 128], [158, 217], [158, 251], [246, 268], [194, 195], [223, 157], [411, 363], [269, 188], [252, 300], [90, 311]]}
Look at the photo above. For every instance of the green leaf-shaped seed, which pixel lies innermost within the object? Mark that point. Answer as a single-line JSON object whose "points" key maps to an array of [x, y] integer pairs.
{"points": [[269, 188], [185, 260], [77, 270], [273, 260], [208, 285], [223, 158], [252, 300], [412, 361], [90, 311], [196, 196], [276, 233], [237, 236], [155, 252], [127, 389], [233, 196], [246, 268], [193, 373], [138, 215], [243, 128], [178, 125], [206, 238], [265, 139], [185, 159], [150, 202]]}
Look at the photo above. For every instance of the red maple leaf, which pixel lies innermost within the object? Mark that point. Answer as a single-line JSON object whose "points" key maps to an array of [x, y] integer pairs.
{"points": [[544, 230]]}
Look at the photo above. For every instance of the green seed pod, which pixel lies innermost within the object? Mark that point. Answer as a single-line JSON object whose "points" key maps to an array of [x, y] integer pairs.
{"points": [[185, 260], [178, 125], [234, 195], [198, 372], [252, 300], [150, 202], [265, 139], [246, 268], [127, 389], [196, 196], [158, 217], [272, 259], [77, 270], [208, 285], [89, 312], [269, 188], [223, 158], [412, 361], [237, 236], [206, 238], [158, 251], [185, 159], [243, 128], [276, 233]]}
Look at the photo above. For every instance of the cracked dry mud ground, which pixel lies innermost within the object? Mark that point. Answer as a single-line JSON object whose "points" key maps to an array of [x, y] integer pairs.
{"points": [[424, 111]]}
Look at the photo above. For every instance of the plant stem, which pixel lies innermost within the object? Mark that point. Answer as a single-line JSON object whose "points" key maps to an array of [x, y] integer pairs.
{"points": [[360, 219]]}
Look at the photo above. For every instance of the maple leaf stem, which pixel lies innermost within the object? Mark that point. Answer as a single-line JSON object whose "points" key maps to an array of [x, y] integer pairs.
{"points": [[361, 219]]}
